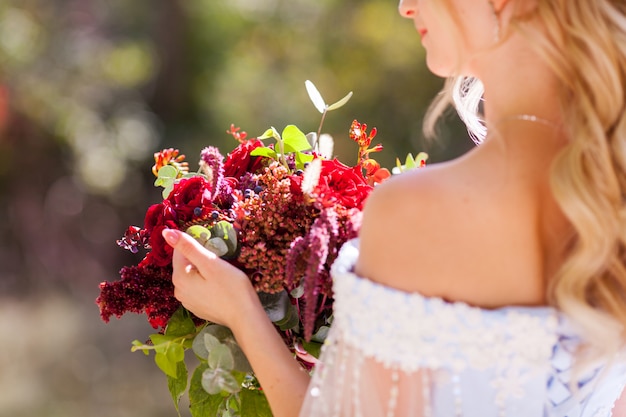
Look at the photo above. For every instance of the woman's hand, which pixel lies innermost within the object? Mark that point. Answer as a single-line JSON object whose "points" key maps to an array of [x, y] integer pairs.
{"points": [[206, 285], [215, 290]]}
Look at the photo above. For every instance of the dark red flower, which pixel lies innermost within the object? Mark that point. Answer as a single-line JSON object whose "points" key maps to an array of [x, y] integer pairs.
{"points": [[141, 289], [189, 194], [239, 161], [189, 197], [340, 184]]}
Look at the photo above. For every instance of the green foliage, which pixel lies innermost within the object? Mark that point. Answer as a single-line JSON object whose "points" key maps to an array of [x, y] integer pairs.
{"points": [[410, 163], [292, 141]]}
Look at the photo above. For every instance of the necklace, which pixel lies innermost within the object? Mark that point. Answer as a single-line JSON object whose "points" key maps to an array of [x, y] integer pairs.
{"points": [[529, 118]]}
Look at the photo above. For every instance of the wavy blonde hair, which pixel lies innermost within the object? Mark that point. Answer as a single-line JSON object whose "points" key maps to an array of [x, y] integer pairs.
{"points": [[584, 42]]}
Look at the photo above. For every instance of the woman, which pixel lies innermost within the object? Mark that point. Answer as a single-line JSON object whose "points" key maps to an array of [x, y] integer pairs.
{"points": [[529, 229]]}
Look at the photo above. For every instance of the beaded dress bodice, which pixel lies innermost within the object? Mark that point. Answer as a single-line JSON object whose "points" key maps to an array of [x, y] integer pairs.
{"points": [[392, 353]]}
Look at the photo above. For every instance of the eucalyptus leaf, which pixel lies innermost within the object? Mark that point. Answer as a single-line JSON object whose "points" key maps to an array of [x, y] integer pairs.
{"points": [[167, 190], [210, 342], [217, 245], [220, 356], [227, 232], [276, 305], [217, 380], [226, 337], [165, 364], [298, 291], [321, 334], [340, 103], [167, 172], [312, 138], [200, 233], [315, 96], [291, 319]]}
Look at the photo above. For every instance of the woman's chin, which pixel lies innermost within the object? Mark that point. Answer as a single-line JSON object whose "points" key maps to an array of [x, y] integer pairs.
{"points": [[438, 68]]}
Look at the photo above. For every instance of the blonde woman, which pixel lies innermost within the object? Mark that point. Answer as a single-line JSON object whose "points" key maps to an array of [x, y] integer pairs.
{"points": [[491, 285]]}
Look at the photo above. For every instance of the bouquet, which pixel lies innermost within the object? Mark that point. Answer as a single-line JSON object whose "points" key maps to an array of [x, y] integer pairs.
{"points": [[280, 213]]}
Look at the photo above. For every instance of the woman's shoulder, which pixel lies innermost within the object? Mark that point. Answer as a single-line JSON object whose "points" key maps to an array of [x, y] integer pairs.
{"points": [[447, 231]]}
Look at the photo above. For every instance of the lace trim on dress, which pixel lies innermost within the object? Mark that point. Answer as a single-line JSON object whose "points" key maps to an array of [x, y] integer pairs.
{"points": [[392, 353]]}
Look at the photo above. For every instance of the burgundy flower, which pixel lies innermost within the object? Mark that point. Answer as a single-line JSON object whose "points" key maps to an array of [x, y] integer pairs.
{"points": [[239, 161], [190, 197], [141, 289], [340, 184], [189, 194]]}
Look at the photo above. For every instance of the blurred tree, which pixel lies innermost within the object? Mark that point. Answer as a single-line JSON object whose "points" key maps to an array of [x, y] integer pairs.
{"points": [[89, 89]]}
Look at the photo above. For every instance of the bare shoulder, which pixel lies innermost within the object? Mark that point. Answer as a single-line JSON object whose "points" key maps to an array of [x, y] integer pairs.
{"points": [[447, 231]]}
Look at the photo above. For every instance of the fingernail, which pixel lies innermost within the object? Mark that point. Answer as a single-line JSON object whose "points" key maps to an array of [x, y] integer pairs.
{"points": [[170, 236]]}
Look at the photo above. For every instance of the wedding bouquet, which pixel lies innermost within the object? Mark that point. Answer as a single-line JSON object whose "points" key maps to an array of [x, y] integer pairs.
{"points": [[280, 213]]}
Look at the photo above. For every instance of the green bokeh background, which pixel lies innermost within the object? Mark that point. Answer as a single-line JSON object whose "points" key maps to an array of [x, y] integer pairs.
{"points": [[90, 89]]}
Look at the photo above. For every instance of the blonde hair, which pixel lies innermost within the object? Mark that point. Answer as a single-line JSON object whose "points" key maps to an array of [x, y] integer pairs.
{"points": [[584, 42]]}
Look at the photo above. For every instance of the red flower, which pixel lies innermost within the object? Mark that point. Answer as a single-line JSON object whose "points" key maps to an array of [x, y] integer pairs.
{"points": [[239, 161], [189, 194], [190, 197], [340, 184]]}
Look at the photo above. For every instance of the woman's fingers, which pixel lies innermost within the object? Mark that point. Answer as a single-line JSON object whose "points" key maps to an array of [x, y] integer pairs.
{"points": [[187, 250]]}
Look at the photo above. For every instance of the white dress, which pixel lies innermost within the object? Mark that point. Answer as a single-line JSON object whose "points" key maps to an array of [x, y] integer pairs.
{"points": [[392, 353]]}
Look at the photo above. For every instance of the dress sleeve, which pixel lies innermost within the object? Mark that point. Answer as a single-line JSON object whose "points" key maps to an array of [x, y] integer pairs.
{"points": [[347, 383]]}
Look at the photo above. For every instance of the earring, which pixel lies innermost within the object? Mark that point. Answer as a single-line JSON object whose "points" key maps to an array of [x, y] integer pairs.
{"points": [[496, 16]]}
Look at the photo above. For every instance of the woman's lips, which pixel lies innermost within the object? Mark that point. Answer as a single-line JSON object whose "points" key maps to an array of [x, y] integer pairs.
{"points": [[422, 32]]}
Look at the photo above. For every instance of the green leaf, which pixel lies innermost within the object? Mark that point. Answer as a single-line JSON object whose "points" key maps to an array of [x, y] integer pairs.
{"points": [[227, 232], [254, 403], [178, 385], [224, 336], [409, 162], [210, 342], [180, 324], [201, 403], [220, 356], [302, 159], [217, 380], [314, 348], [321, 334], [160, 341], [167, 172], [315, 96], [200, 233], [264, 151], [165, 364], [279, 309], [291, 320], [175, 353], [167, 190], [217, 245], [270, 133], [295, 140], [340, 103], [137, 345]]}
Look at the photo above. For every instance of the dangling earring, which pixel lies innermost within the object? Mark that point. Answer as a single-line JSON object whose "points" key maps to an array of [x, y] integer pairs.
{"points": [[496, 30]]}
